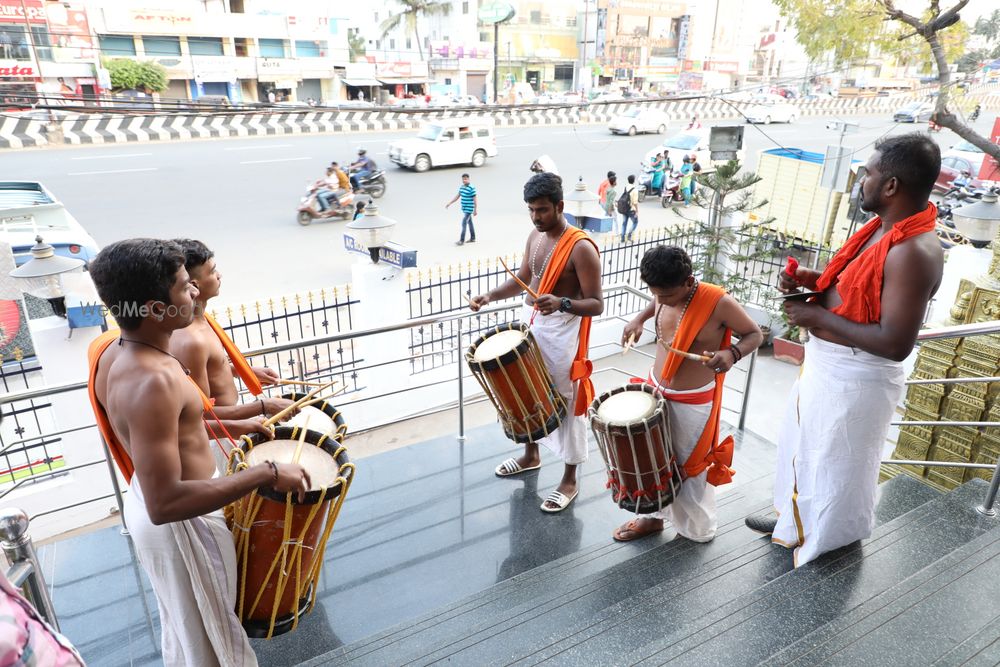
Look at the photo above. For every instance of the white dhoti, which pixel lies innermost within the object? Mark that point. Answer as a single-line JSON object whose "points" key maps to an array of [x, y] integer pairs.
{"points": [[558, 336], [692, 513], [192, 566], [829, 448]]}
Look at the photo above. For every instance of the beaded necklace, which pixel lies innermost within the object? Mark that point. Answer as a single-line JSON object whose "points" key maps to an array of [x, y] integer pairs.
{"points": [[694, 288], [535, 273]]}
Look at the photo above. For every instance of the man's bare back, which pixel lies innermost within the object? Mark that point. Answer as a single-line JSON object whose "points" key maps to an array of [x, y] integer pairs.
{"points": [[124, 378], [215, 376]]}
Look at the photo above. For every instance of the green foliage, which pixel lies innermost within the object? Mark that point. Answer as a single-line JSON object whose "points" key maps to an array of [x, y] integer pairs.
{"points": [[843, 29], [355, 44], [915, 51], [127, 74]]}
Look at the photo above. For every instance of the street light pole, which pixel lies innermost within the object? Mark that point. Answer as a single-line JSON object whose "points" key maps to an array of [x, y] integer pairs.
{"points": [[496, 59]]}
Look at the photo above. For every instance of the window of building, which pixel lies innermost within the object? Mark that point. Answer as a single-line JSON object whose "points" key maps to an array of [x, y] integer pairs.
{"points": [[205, 46], [116, 45], [485, 37], [40, 34], [465, 7], [161, 46], [536, 17], [409, 43], [241, 45], [447, 81], [392, 43], [563, 73], [271, 48], [309, 49]]}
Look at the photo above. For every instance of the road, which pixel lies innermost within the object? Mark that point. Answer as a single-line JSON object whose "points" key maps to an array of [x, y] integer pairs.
{"points": [[239, 195]]}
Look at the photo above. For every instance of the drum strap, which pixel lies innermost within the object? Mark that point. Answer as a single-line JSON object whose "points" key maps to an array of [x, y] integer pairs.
{"points": [[582, 367], [239, 361]]}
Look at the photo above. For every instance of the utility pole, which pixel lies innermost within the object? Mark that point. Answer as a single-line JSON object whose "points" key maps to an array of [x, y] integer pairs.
{"points": [[496, 58], [833, 166]]}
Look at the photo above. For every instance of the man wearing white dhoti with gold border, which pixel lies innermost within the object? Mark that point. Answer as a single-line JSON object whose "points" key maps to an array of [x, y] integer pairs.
{"points": [[151, 414], [862, 325], [562, 266]]}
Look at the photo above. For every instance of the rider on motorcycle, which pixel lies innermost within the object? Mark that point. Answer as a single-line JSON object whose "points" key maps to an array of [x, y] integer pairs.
{"points": [[327, 188], [365, 167]]}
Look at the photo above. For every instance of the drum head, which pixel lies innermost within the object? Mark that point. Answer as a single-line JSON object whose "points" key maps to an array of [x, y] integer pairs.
{"points": [[627, 407], [318, 420], [321, 466], [498, 344]]}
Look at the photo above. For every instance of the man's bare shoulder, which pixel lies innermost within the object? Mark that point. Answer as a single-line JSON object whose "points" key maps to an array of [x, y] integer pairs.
{"points": [[920, 256], [145, 384]]}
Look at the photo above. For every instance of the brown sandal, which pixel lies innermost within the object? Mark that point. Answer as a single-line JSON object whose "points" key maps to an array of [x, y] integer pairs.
{"points": [[632, 527]]}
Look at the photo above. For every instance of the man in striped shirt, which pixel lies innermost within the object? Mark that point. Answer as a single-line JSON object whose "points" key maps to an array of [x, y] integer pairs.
{"points": [[470, 207]]}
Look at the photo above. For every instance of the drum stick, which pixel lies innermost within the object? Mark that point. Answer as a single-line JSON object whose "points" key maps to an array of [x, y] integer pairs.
{"points": [[301, 382], [687, 355], [294, 406], [302, 438], [533, 293], [628, 344]]}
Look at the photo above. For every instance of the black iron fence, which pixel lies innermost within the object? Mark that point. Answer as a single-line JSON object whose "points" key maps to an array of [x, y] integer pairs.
{"points": [[288, 319], [25, 449]]}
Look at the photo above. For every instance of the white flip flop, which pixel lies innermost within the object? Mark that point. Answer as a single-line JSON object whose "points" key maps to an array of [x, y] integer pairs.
{"points": [[511, 467], [561, 501]]}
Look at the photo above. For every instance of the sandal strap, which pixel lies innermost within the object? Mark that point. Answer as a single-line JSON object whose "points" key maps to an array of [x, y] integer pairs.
{"points": [[510, 466], [556, 497]]}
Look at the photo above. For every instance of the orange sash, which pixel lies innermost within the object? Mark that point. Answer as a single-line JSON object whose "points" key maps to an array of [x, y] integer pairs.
{"points": [[706, 454], [239, 361], [859, 276], [118, 451], [582, 366]]}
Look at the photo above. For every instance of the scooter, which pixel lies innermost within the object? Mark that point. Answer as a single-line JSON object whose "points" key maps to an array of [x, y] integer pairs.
{"points": [[373, 184], [341, 207], [671, 189]]}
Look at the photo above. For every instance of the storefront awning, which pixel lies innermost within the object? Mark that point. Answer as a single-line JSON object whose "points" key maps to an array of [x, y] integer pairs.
{"points": [[361, 82], [403, 82]]}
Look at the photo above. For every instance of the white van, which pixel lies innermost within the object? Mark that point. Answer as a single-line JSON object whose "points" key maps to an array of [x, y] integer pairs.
{"points": [[447, 141]]}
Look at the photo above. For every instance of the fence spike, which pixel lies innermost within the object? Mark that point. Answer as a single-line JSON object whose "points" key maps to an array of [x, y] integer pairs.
{"points": [[18, 354], [243, 308], [298, 299]]}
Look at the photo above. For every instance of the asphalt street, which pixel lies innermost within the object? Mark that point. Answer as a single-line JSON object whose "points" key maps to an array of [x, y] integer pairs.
{"points": [[240, 195]]}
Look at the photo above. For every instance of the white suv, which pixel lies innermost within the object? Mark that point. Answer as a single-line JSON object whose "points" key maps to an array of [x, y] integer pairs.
{"points": [[445, 142]]}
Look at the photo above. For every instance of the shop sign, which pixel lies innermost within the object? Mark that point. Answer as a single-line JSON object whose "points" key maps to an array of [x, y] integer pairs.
{"points": [[13, 68], [17, 11]]}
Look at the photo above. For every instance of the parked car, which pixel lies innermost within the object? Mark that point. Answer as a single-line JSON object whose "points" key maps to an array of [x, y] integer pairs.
{"points": [[639, 119], [608, 96], [445, 142], [965, 152], [914, 112], [410, 103], [27, 210], [769, 109]]}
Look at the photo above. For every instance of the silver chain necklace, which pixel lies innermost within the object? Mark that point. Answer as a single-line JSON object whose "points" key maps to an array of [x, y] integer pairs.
{"points": [[694, 288], [535, 273]]}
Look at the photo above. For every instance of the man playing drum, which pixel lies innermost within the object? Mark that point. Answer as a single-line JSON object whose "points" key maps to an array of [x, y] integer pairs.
{"points": [[205, 349], [175, 496], [566, 275], [697, 317], [864, 324]]}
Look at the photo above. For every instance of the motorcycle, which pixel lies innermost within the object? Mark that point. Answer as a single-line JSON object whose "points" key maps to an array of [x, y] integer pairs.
{"points": [[373, 184], [340, 207], [669, 192], [974, 116]]}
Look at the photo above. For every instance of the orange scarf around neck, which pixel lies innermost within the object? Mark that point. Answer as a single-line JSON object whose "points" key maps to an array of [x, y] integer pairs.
{"points": [[858, 277], [582, 366], [707, 454], [115, 446], [239, 361]]}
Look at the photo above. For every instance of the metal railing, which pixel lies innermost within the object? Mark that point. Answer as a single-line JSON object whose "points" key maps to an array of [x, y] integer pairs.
{"points": [[24, 571], [941, 333], [462, 338]]}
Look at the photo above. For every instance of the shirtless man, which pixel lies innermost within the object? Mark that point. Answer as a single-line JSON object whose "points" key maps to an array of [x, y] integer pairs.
{"points": [[875, 292], [693, 317], [173, 508], [566, 274], [200, 350]]}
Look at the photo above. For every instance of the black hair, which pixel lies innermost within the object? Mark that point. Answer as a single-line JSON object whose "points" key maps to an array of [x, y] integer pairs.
{"points": [[360, 205], [612, 179], [130, 273], [545, 185], [665, 267], [196, 253], [611, 173], [631, 178], [466, 175], [914, 159]]}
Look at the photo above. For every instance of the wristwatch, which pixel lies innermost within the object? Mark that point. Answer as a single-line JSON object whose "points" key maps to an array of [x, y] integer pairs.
{"points": [[565, 304]]}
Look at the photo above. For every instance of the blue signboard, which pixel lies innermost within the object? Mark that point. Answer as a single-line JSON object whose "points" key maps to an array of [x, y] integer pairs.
{"points": [[391, 253]]}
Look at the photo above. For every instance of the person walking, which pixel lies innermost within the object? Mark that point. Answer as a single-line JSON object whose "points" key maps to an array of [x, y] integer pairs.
{"points": [[628, 206], [608, 202], [470, 207], [602, 189]]}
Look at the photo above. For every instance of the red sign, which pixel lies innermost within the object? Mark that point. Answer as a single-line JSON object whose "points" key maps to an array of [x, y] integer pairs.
{"points": [[990, 170], [11, 68], [13, 11]]}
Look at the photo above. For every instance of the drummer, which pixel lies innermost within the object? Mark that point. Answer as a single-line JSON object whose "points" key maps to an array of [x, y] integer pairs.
{"points": [[208, 352], [694, 317], [173, 508], [566, 275]]}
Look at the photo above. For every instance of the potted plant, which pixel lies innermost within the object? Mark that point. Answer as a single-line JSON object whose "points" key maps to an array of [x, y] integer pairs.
{"points": [[788, 347]]}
